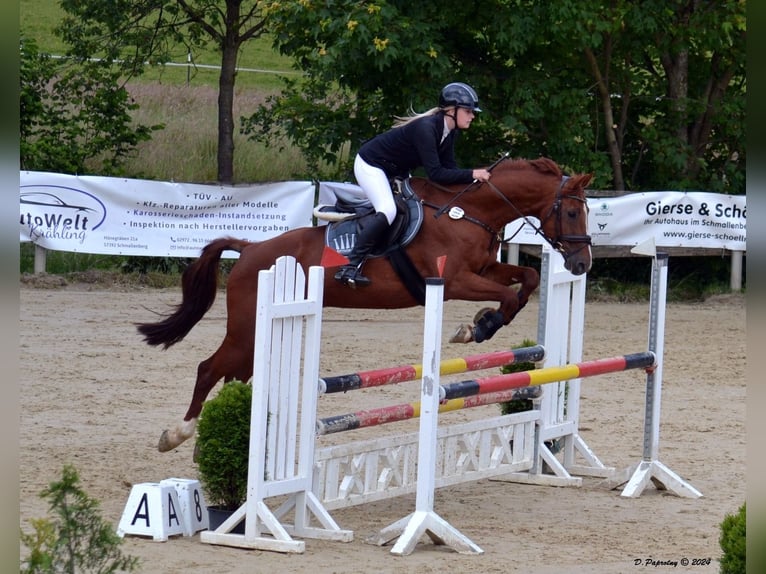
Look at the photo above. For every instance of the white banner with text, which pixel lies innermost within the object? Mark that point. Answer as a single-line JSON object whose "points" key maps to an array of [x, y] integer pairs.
{"points": [[673, 218], [104, 215], [107, 215]]}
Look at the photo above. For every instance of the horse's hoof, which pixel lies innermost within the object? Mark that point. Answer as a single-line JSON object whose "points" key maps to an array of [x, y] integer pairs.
{"points": [[464, 334], [165, 443]]}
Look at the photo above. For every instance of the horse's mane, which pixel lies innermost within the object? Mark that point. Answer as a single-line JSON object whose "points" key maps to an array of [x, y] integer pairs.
{"points": [[541, 164]]}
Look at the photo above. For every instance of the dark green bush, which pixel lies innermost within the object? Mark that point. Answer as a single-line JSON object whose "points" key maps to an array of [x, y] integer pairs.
{"points": [[733, 542], [518, 405], [223, 445]]}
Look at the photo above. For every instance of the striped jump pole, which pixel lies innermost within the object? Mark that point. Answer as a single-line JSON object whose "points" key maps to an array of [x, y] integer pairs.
{"points": [[484, 391], [406, 411], [496, 383], [400, 374]]}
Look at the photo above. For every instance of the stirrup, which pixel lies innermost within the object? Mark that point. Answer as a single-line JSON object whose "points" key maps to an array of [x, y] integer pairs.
{"points": [[352, 276]]}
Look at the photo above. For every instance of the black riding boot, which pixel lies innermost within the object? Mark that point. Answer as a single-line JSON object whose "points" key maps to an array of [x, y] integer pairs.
{"points": [[351, 273]]}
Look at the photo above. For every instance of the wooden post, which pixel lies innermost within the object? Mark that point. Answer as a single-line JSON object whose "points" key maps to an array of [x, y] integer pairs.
{"points": [[735, 280], [40, 259]]}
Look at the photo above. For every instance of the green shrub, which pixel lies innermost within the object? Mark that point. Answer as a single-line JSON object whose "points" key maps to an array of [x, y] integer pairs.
{"points": [[518, 405], [223, 445], [76, 539], [733, 543]]}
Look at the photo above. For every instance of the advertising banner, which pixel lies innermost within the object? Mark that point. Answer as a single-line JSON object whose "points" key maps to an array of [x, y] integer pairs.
{"points": [[673, 218], [105, 215]]}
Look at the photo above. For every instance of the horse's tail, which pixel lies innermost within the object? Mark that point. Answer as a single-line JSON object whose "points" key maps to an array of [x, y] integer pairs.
{"points": [[199, 285]]}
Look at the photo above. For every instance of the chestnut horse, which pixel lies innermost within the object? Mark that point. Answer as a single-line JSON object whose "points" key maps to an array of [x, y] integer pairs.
{"points": [[518, 188]]}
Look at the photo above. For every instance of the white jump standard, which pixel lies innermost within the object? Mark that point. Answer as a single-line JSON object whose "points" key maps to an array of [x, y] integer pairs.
{"points": [[425, 520], [283, 417], [650, 468]]}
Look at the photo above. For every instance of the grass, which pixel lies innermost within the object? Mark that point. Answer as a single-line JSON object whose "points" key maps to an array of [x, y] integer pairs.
{"points": [[39, 18], [106, 271], [186, 149], [185, 101]]}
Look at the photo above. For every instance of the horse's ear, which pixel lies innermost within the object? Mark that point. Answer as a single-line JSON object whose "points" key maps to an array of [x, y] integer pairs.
{"points": [[585, 179]]}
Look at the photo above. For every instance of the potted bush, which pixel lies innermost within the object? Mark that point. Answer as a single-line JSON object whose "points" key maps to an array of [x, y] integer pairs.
{"points": [[222, 450], [733, 541]]}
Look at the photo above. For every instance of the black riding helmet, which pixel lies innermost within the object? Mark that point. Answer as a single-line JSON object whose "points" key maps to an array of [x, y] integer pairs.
{"points": [[460, 95]]}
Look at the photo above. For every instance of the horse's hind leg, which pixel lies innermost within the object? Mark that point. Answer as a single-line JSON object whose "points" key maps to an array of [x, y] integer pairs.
{"points": [[228, 362]]}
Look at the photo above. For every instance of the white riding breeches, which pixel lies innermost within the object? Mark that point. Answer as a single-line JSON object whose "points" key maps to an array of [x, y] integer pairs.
{"points": [[376, 186]]}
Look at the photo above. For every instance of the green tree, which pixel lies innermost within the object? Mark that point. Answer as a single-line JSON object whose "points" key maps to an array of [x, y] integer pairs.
{"points": [[74, 116], [76, 539], [670, 78], [128, 33], [648, 95]]}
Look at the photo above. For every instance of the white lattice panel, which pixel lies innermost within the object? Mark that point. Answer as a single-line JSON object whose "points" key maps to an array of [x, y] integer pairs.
{"points": [[378, 469]]}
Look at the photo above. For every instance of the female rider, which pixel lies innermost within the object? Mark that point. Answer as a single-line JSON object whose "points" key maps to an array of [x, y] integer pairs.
{"points": [[426, 140]]}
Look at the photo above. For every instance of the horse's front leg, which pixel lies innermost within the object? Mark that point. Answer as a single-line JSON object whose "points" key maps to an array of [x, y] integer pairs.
{"points": [[527, 278], [496, 283]]}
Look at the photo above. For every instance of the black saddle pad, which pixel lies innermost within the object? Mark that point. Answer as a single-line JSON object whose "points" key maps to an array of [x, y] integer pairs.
{"points": [[341, 235]]}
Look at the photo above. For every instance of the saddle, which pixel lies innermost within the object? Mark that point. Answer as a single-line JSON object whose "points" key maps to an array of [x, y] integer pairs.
{"points": [[351, 207], [344, 206]]}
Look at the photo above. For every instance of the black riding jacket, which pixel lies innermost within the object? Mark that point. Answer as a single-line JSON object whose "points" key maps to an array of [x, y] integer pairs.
{"points": [[400, 150]]}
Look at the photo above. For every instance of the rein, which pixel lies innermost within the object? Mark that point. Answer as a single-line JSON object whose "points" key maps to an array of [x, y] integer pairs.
{"points": [[554, 242], [440, 211]]}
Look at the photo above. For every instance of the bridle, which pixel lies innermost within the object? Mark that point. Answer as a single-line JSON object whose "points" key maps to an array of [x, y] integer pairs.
{"points": [[555, 211]]}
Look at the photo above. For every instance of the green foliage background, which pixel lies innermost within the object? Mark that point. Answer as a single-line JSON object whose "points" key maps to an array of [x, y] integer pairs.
{"points": [[348, 67], [648, 96]]}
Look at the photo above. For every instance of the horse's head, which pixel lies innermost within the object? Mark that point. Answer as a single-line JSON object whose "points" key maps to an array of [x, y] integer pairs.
{"points": [[565, 226], [538, 188]]}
